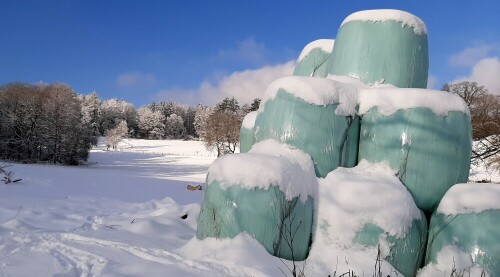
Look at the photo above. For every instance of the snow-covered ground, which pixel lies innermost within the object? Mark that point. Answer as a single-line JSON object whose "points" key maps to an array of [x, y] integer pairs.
{"points": [[119, 216], [122, 216]]}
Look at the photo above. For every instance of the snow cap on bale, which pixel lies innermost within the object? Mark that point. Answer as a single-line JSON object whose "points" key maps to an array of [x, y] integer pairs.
{"points": [[316, 115], [314, 60], [246, 132], [466, 225], [360, 208], [387, 45], [268, 163]]}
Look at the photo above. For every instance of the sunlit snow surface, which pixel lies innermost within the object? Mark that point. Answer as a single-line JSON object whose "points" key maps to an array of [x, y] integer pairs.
{"points": [[121, 216]]}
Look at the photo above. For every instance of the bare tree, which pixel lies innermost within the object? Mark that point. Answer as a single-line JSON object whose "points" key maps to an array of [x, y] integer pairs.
{"points": [[485, 116], [222, 132]]}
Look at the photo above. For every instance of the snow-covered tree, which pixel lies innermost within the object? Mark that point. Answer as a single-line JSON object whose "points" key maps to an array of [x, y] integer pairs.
{"points": [[91, 112], [174, 127], [42, 123], [117, 134], [114, 111], [151, 123], [200, 120]]}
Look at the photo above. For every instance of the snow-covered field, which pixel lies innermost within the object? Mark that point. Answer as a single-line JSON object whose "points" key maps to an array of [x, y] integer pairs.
{"points": [[121, 216]]}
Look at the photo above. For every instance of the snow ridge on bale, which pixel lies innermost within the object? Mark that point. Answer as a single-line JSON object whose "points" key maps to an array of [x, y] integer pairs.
{"points": [[350, 92], [317, 91], [325, 45], [470, 198], [390, 100], [249, 120], [406, 19], [271, 163]]}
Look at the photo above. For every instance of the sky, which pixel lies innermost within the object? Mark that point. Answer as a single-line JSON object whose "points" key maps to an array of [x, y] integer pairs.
{"points": [[203, 51]]}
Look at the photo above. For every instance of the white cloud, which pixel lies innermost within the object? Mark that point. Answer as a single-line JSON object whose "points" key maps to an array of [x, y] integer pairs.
{"points": [[135, 79], [248, 50], [485, 72], [243, 85], [471, 55]]}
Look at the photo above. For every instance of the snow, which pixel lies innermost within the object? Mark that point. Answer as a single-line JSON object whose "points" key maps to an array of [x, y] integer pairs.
{"points": [[249, 120], [350, 93], [448, 258], [317, 91], [349, 198], [470, 198], [406, 19], [389, 100], [267, 163], [325, 45], [121, 216]]}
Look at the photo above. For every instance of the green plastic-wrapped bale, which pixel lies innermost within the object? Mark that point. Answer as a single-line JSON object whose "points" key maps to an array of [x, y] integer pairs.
{"points": [[387, 46], [424, 135], [266, 193], [316, 115], [314, 59], [363, 209], [246, 132], [464, 230]]}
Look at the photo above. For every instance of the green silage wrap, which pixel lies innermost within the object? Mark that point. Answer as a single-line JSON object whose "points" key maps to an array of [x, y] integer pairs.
{"points": [[314, 64], [474, 233], [246, 139], [406, 254], [331, 140], [264, 214], [375, 51], [430, 152]]}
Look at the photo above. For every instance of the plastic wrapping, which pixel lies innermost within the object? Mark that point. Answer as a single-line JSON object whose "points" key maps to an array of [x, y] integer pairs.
{"points": [[405, 254], [383, 51], [314, 64], [430, 152], [331, 140], [475, 233], [264, 214], [246, 139]]}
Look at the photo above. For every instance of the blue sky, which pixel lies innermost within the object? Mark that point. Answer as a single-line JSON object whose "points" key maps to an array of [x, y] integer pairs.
{"points": [[202, 51]]}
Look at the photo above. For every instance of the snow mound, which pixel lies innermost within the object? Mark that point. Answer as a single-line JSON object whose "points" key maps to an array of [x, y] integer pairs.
{"points": [[249, 120], [367, 193], [448, 258], [406, 19], [350, 198], [267, 163], [470, 198], [323, 44]]}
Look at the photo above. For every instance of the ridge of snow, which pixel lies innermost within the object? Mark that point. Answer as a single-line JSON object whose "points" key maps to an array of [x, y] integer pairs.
{"points": [[406, 18], [325, 45], [317, 91], [249, 120], [351, 93], [267, 163], [470, 198], [389, 100]]}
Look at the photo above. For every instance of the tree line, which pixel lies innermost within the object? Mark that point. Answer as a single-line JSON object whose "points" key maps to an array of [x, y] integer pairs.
{"points": [[52, 123]]}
